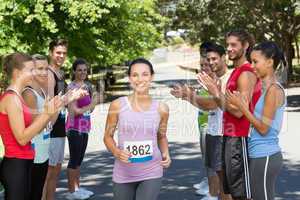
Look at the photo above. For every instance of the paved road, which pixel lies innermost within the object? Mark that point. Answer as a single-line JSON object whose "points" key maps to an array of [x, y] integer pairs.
{"points": [[183, 137]]}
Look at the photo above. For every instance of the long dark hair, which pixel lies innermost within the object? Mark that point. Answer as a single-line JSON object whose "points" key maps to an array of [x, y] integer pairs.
{"points": [[140, 61], [79, 61], [272, 51]]}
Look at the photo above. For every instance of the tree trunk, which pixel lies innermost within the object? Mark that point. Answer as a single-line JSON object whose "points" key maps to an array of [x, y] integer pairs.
{"points": [[297, 54], [289, 55]]}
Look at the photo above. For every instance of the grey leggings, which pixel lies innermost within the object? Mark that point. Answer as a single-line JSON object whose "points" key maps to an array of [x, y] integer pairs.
{"points": [[142, 190], [263, 174]]}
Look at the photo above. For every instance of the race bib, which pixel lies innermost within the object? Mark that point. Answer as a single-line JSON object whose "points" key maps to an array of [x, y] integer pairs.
{"points": [[63, 113], [87, 115], [141, 151]]}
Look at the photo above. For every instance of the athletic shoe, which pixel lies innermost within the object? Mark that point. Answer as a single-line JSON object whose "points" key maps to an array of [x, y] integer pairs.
{"points": [[85, 191], [77, 195], [203, 191], [202, 184], [209, 197]]}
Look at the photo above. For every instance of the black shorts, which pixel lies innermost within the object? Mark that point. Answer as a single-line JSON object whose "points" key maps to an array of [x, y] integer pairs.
{"points": [[235, 167], [213, 154]]}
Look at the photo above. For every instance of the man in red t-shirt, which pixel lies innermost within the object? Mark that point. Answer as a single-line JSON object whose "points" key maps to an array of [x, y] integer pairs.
{"points": [[235, 125]]}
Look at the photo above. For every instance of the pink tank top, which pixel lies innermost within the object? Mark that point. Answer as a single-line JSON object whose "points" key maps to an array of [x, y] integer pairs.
{"points": [[12, 148], [80, 123], [137, 132]]}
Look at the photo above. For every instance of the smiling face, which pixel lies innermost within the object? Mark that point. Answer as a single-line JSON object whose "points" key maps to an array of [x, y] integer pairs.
{"points": [[205, 67], [40, 72], [140, 77], [58, 56], [216, 62], [235, 48], [25, 75], [262, 65], [81, 72]]}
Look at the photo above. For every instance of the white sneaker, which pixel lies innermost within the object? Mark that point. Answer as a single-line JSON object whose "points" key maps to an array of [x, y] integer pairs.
{"points": [[203, 191], [77, 195], [209, 197], [202, 184], [85, 191]]}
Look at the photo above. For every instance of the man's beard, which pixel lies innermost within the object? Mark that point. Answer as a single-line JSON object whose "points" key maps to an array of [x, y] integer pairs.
{"points": [[239, 55]]}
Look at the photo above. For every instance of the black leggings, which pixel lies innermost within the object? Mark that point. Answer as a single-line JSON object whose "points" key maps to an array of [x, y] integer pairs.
{"points": [[15, 175], [38, 177], [77, 146]]}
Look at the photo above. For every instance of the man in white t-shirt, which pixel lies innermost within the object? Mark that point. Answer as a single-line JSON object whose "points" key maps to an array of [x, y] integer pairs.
{"points": [[215, 54], [214, 134]]}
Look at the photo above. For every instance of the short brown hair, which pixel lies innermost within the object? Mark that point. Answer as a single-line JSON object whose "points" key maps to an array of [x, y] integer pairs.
{"points": [[57, 42]]}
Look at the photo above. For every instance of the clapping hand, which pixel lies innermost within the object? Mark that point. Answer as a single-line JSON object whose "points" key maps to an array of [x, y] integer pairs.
{"points": [[53, 106], [237, 99], [209, 83], [73, 95], [182, 91], [177, 91]]}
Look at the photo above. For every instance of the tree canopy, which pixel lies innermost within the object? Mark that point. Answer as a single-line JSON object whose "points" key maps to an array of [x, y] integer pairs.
{"points": [[277, 20], [103, 32]]}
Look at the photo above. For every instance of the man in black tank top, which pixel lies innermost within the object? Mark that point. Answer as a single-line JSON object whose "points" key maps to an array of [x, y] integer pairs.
{"points": [[59, 88], [57, 56]]}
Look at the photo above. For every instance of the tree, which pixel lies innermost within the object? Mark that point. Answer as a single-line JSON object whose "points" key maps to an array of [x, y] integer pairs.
{"points": [[277, 20], [104, 32]]}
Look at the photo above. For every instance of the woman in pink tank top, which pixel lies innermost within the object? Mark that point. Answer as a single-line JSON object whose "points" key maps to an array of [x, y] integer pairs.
{"points": [[141, 150], [17, 128]]}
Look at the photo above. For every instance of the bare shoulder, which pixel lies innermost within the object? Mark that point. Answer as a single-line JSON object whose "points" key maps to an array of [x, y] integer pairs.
{"points": [[247, 75], [163, 108], [115, 105], [9, 101], [28, 94], [29, 98], [246, 81], [276, 91]]}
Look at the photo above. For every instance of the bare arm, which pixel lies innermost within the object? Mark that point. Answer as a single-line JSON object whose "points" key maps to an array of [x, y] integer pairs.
{"points": [[162, 139], [246, 84], [274, 98], [31, 102], [15, 114], [110, 127], [204, 103], [189, 94]]}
